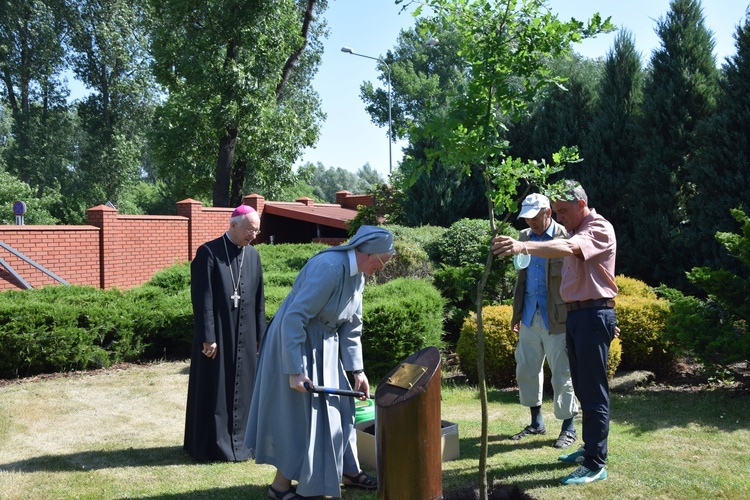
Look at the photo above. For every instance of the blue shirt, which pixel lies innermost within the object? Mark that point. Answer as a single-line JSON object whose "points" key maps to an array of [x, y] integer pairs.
{"points": [[535, 294]]}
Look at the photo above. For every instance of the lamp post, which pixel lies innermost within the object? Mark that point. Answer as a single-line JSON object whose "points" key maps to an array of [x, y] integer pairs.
{"points": [[348, 50]]}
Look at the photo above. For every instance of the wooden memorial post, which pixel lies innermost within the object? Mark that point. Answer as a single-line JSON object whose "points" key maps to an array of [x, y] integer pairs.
{"points": [[408, 429]]}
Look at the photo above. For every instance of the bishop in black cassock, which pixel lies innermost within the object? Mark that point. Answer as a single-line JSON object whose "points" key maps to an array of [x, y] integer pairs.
{"points": [[230, 320]]}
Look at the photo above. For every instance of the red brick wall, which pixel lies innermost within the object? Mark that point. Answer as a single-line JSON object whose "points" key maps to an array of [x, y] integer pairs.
{"points": [[70, 252], [113, 250]]}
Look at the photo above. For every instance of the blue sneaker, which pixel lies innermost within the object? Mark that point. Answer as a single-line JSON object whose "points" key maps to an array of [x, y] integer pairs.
{"points": [[575, 457], [583, 475]]}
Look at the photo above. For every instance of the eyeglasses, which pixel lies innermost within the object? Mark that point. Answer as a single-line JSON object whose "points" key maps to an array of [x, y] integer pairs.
{"points": [[254, 232], [382, 264]]}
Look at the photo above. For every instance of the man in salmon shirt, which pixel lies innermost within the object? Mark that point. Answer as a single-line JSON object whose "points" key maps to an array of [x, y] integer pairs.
{"points": [[588, 288]]}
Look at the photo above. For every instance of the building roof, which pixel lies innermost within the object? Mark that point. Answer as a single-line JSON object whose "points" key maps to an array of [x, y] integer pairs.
{"points": [[332, 215]]}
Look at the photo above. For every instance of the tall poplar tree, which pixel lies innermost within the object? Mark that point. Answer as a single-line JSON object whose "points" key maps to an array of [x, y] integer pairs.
{"points": [[109, 55], [424, 77], [680, 92], [32, 40], [240, 107]]}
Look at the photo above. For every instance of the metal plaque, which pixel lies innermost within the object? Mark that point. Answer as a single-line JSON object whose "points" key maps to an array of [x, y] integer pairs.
{"points": [[406, 375]]}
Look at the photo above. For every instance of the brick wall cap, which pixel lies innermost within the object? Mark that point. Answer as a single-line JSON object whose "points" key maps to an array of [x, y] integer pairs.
{"points": [[83, 227], [152, 217], [101, 208]]}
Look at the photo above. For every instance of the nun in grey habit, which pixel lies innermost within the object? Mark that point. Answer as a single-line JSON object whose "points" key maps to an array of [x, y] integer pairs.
{"points": [[314, 338]]}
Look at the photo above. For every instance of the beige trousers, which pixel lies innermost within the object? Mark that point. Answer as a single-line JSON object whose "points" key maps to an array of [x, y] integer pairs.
{"points": [[535, 344]]}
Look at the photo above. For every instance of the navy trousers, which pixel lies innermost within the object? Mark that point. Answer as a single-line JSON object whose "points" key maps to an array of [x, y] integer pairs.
{"points": [[589, 333]]}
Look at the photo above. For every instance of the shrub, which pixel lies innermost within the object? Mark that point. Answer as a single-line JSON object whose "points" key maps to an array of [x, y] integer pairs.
{"points": [[286, 257], [466, 241], [426, 237], [615, 356], [462, 251], [62, 328], [716, 329], [459, 287], [499, 348], [275, 295], [172, 279], [699, 328], [166, 321], [400, 318], [631, 287], [411, 259], [642, 318]]}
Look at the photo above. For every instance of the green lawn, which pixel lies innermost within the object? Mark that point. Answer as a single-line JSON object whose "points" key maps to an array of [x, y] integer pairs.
{"points": [[118, 434]]}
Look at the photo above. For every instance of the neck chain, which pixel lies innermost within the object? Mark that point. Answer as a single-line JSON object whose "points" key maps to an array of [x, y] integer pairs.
{"points": [[235, 296]]}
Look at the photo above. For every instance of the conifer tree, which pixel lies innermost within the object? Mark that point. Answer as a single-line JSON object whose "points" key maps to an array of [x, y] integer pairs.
{"points": [[719, 170], [680, 92], [609, 152], [563, 114]]}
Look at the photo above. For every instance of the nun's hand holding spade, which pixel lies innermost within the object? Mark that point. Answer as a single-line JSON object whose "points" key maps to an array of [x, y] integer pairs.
{"points": [[297, 382]]}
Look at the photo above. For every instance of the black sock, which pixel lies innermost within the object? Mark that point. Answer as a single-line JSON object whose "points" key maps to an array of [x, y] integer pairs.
{"points": [[536, 417], [567, 425]]}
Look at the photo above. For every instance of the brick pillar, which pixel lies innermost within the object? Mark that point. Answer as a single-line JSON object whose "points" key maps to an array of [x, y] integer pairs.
{"points": [[341, 197], [308, 202], [192, 209], [256, 201], [105, 218]]}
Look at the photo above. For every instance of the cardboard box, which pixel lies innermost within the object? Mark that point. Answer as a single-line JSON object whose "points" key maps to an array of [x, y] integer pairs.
{"points": [[366, 447]]}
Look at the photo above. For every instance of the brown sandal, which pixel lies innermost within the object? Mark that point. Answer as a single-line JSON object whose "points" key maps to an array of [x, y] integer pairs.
{"points": [[362, 480]]}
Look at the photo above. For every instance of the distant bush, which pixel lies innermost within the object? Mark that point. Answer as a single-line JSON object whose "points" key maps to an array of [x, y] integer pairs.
{"points": [[410, 261], [172, 279], [425, 237], [286, 258]]}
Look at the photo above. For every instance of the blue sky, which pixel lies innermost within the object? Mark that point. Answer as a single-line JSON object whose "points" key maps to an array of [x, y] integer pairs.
{"points": [[348, 137]]}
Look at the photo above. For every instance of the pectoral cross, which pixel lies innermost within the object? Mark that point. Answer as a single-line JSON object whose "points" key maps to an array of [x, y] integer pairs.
{"points": [[236, 299]]}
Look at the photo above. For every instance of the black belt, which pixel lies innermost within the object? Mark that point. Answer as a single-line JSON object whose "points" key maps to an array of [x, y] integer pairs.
{"points": [[588, 304]]}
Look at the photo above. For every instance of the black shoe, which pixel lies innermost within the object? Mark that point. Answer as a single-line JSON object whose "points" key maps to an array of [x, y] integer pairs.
{"points": [[565, 439], [528, 431]]}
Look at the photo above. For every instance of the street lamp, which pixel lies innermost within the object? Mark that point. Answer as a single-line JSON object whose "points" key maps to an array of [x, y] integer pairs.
{"points": [[348, 50]]}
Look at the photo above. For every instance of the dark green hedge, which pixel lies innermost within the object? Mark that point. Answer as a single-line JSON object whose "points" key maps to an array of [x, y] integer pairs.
{"points": [[64, 328], [400, 318]]}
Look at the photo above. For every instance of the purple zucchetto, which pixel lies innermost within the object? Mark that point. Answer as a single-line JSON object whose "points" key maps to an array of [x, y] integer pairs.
{"points": [[242, 210]]}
